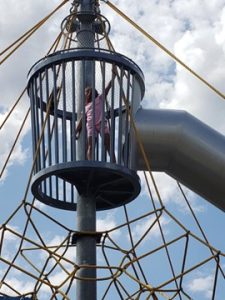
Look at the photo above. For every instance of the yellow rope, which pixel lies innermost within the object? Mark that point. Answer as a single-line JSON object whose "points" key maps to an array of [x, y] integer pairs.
{"points": [[140, 143], [137, 133], [72, 274], [147, 163], [25, 36], [146, 34]]}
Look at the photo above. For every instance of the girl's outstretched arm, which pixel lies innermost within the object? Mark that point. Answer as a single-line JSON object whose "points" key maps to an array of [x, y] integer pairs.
{"points": [[78, 128], [108, 87]]}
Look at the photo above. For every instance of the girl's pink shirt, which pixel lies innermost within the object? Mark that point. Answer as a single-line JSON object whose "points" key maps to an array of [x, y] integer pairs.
{"points": [[98, 112]]}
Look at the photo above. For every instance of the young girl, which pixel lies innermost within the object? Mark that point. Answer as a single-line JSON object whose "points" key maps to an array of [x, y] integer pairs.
{"points": [[98, 119]]}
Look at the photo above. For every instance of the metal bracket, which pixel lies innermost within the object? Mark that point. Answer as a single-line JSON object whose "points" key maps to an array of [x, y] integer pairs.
{"points": [[76, 235]]}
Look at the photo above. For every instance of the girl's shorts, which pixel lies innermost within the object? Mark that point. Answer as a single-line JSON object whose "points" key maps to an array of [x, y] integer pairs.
{"points": [[97, 129]]}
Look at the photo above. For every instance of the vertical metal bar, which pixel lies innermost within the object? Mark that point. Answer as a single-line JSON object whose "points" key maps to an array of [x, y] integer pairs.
{"points": [[131, 109], [64, 131], [126, 130], [83, 85], [42, 122], [56, 138], [42, 119], [73, 134], [112, 128], [38, 159], [56, 128], [93, 111], [72, 138], [48, 121], [97, 148], [103, 158], [64, 190], [133, 95], [72, 193], [120, 117], [72, 126], [33, 116], [49, 134]]}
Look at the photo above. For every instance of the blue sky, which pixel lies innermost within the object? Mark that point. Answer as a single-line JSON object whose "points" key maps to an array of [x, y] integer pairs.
{"points": [[192, 30]]}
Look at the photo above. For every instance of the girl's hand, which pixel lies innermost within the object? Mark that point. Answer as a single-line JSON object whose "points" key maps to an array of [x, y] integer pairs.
{"points": [[77, 135]]}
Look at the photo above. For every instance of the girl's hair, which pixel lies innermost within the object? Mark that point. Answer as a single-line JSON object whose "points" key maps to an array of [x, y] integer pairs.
{"points": [[96, 93], [90, 88]]}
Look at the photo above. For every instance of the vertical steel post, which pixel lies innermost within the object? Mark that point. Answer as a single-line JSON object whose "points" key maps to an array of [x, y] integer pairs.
{"points": [[86, 205]]}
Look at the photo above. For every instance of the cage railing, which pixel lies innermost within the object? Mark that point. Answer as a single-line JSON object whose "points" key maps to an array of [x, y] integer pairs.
{"points": [[79, 117]]}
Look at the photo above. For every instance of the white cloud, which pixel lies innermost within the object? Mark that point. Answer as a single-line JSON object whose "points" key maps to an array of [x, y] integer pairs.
{"points": [[169, 192], [9, 235], [13, 75], [57, 241], [194, 49], [107, 223], [41, 206], [8, 134], [186, 32], [202, 285], [57, 279], [220, 30], [140, 229], [21, 286]]}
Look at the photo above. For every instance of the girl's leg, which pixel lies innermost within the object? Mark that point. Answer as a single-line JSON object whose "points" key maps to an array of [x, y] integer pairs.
{"points": [[89, 148], [107, 146]]}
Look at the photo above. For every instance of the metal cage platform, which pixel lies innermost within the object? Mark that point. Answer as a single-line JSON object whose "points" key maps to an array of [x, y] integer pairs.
{"points": [[56, 89], [109, 184]]}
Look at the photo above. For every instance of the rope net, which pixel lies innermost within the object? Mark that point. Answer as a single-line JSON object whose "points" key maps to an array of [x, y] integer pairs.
{"points": [[144, 250]]}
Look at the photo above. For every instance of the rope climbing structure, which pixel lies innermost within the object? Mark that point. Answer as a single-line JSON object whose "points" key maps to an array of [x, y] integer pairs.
{"points": [[60, 241]]}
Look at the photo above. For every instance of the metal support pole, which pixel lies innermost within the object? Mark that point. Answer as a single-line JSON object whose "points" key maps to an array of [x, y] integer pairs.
{"points": [[86, 205], [86, 248]]}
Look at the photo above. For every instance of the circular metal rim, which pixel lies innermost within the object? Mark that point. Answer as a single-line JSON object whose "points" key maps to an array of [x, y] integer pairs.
{"points": [[131, 175], [87, 54]]}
